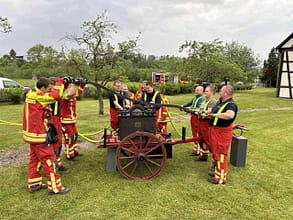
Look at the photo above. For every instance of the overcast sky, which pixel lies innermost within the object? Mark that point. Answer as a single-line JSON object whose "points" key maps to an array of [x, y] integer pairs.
{"points": [[164, 24]]}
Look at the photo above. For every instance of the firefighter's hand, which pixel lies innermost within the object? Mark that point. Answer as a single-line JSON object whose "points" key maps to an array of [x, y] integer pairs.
{"points": [[210, 115], [70, 89]]}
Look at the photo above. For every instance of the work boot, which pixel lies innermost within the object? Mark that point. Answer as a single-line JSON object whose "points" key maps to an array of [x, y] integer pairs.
{"points": [[62, 168], [194, 153], [203, 158], [78, 154], [37, 187], [213, 181], [211, 173], [61, 192], [72, 159]]}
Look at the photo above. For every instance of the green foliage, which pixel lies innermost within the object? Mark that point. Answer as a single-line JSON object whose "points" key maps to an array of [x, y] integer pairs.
{"points": [[4, 97], [5, 26], [270, 69], [15, 95], [186, 88]]}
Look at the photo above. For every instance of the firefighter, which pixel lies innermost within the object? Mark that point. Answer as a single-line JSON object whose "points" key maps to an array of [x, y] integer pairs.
{"points": [[152, 96], [68, 120], [56, 121], [195, 104], [125, 92], [35, 125], [140, 90], [116, 104], [203, 128], [163, 116], [220, 135]]}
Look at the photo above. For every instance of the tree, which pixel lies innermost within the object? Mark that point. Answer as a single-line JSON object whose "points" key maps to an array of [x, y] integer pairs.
{"points": [[270, 68], [202, 50], [12, 54], [5, 27], [100, 54], [245, 58]]}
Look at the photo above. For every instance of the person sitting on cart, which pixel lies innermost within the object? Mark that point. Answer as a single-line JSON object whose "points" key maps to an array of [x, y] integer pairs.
{"points": [[150, 95]]}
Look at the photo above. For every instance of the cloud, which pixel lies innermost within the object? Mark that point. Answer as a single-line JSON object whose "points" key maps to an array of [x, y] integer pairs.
{"points": [[164, 24]]}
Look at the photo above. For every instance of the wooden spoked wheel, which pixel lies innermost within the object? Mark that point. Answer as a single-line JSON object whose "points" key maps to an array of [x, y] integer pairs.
{"points": [[140, 155]]}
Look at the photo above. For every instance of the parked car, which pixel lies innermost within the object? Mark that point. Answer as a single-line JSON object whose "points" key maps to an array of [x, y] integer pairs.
{"points": [[8, 83]]}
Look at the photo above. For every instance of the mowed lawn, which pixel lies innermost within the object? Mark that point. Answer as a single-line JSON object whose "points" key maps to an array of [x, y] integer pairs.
{"points": [[263, 189]]}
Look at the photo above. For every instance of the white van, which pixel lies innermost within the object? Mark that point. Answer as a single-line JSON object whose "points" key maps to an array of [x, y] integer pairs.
{"points": [[8, 83]]}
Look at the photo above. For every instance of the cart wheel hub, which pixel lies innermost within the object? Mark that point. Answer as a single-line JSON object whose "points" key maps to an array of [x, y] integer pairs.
{"points": [[141, 157]]}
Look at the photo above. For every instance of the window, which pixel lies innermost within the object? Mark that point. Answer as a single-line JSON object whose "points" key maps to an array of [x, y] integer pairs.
{"points": [[10, 84]]}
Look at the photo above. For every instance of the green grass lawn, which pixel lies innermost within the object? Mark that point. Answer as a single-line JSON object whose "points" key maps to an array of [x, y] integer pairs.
{"points": [[263, 189]]}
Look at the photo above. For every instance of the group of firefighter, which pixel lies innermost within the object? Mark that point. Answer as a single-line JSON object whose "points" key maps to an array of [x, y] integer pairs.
{"points": [[121, 98], [211, 120], [50, 113], [49, 116]]}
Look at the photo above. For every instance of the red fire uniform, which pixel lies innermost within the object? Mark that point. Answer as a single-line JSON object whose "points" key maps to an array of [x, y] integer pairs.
{"points": [[194, 104], [163, 116], [113, 110], [138, 93], [203, 130], [68, 120], [35, 121], [220, 137]]}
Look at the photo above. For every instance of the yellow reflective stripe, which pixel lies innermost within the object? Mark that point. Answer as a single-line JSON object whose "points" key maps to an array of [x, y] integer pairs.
{"points": [[39, 165], [116, 97], [31, 101], [49, 163], [33, 135], [53, 183], [27, 116], [56, 108], [38, 179], [220, 111], [44, 99], [61, 89], [154, 97], [68, 120], [205, 107], [222, 158]]}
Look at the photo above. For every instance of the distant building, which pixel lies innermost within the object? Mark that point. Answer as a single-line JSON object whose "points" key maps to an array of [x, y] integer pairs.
{"points": [[285, 72]]}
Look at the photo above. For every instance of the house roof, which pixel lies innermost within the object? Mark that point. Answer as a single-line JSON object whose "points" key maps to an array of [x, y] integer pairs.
{"points": [[284, 44]]}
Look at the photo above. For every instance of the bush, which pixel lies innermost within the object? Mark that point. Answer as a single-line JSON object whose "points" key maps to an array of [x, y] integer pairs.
{"points": [[15, 95], [4, 97], [186, 88]]}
